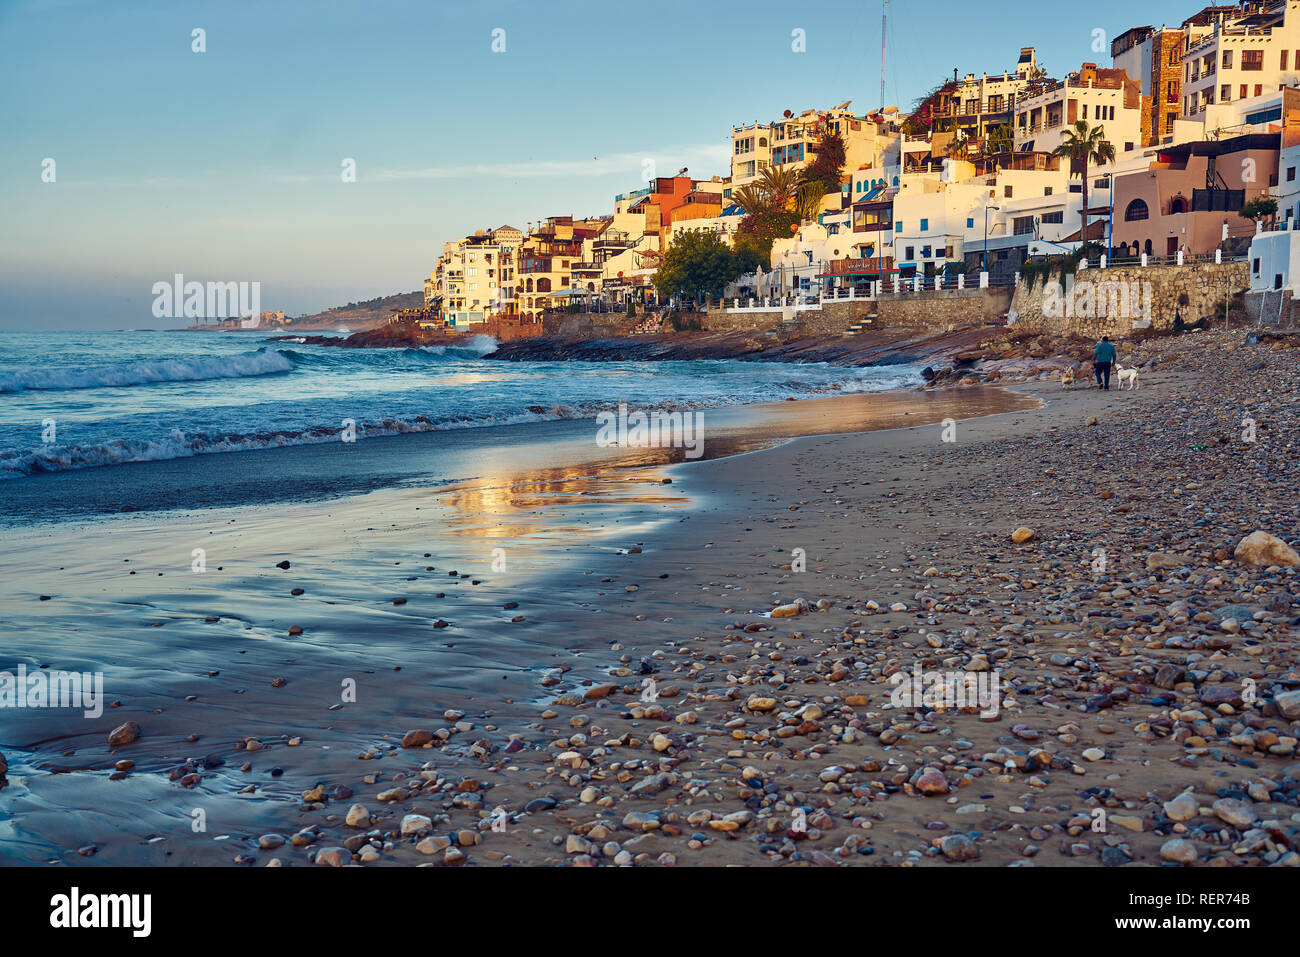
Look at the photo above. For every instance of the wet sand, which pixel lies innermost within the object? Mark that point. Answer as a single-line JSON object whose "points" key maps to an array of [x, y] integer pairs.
{"points": [[192, 655]]}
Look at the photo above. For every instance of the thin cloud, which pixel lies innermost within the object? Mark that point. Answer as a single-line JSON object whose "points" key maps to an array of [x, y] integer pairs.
{"points": [[711, 155]]}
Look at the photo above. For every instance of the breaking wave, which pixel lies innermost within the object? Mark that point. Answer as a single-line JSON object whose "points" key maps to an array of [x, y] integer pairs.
{"points": [[190, 369]]}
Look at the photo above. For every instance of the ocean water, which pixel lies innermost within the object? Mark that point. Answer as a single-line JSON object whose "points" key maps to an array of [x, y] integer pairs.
{"points": [[87, 400]]}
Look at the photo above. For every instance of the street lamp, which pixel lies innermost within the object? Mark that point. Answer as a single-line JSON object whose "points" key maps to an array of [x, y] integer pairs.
{"points": [[985, 261]]}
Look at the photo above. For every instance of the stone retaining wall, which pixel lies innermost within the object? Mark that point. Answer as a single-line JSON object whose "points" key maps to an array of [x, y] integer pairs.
{"points": [[1115, 301], [941, 310]]}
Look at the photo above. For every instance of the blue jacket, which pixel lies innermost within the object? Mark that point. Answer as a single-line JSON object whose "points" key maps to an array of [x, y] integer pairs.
{"points": [[1105, 352]]}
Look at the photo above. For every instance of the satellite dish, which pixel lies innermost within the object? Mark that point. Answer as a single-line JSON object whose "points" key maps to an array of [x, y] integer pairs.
{"points": [[844, 105], [787, 114]]}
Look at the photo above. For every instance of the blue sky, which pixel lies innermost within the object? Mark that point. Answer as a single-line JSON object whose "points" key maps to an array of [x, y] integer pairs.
{"points": [[225, 165]]}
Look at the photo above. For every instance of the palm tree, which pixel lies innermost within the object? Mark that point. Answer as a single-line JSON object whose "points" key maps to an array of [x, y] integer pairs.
{"points": [[779, 190], [959, 146], [781, 184], [750, 198], [809, 199], [1083, 144]]}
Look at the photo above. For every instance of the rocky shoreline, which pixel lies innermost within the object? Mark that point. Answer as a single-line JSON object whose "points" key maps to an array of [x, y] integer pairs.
{"points": [[1151, 707], [979, 351], [1122, 562]]}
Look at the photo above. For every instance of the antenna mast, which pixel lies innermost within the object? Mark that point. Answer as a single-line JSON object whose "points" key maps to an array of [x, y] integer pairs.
{"points": [[884, 10]]}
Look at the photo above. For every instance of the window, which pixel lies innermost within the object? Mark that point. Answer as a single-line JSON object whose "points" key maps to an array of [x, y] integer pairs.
{"points": [[1085, 112], [1057, 217], [1252, 59], [970, 222], [1254, 267], [925, 224], [1006, 191], [1128, 145], [1136, 210], [925, 252], [1225, 93], [1290, 174], [1022, 225], [910, 252], [1227, 59], [1284, 52], [1047, 191], [898, 226], [1259, 89], [1241, 93]]}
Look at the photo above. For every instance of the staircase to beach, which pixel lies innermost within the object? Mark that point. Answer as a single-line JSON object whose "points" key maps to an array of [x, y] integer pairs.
{"points": [[861, 325]]}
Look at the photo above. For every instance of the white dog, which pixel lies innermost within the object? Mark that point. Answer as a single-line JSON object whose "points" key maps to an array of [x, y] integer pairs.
{"points": [[1131, 374]]}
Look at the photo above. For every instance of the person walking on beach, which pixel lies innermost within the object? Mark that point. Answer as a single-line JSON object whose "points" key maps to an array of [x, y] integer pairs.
{"points": [[1103, 357]]}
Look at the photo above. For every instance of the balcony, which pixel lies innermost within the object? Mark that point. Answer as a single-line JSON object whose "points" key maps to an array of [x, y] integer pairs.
{"points": [[860, 267]]}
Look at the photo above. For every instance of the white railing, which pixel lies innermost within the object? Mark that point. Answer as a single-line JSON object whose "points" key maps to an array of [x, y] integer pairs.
{"points": [[916, 285]]}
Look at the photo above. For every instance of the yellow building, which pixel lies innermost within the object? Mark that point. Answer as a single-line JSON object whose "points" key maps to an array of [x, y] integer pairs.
{"points": [[476, 276], [547, 257]]}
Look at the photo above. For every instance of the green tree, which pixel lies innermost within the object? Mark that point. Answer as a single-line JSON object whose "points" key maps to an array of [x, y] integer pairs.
{"points": [[698, 263], [999, 139], [749, 255], [1262, 207], [774, 204], [828, 167], [1083, 144]]}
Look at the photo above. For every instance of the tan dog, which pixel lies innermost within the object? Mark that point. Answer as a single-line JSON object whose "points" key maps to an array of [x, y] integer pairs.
{"points": [[1130, 374], [1067, 378]]}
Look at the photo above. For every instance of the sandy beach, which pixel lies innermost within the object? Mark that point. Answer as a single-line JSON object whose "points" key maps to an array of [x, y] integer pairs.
{"points": [[577, 661]]}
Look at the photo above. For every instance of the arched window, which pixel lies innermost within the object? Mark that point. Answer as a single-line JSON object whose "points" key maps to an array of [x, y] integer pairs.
{"points": [[1136, 210], [1146, 247], [543, 285], [1179, 205]]}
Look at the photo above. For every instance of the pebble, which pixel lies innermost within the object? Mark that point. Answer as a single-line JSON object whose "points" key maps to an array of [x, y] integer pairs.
{"points": [[123, 734], [1179, 851]]}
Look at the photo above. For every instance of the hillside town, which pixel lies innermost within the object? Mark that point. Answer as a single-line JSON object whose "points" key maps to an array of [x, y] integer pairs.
{"points": [[1182, 148]]}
